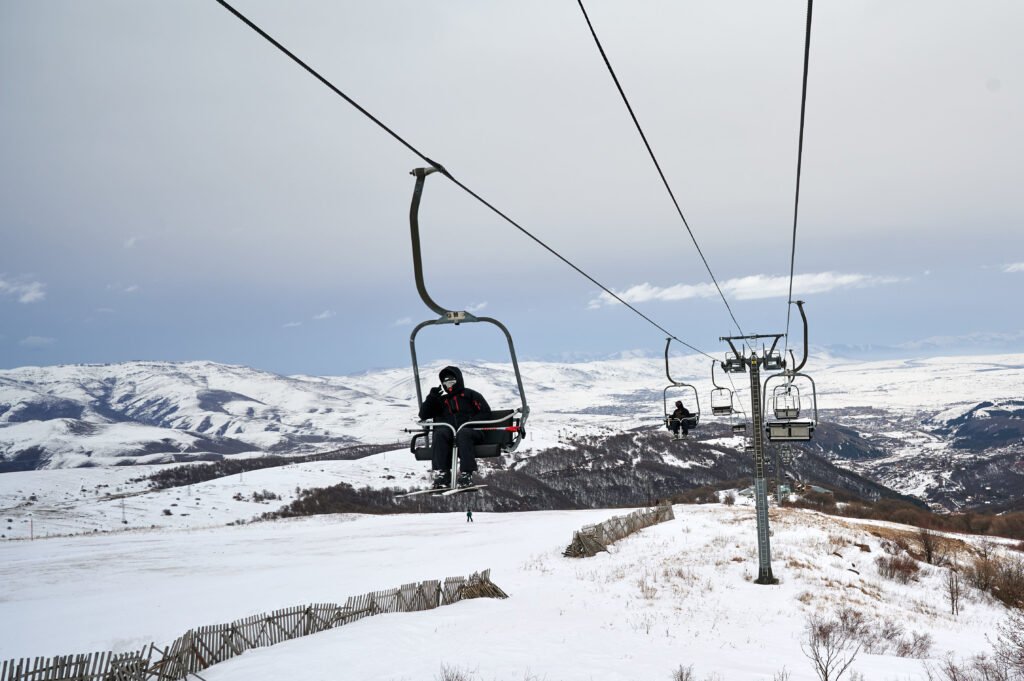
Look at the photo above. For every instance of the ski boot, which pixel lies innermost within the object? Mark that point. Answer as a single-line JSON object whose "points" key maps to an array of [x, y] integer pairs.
{"points": [[442, 480], [465, 479]]}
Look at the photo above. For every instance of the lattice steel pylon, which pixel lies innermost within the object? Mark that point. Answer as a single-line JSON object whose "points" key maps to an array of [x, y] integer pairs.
{"points": [[764, 549]]}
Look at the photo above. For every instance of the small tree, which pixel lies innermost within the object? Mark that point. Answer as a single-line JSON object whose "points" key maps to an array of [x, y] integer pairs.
{"points": [[830, 647], [953, 591], [930, 545]]}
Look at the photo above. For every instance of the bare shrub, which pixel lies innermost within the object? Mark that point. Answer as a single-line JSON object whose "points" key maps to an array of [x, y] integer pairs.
{"points": [[453, 674], [781, 675], [829, 646], [1009, 581], [981, 571], [1009, 645], [901, 568], [684, 674], [978, 668], [729, 498], [647, 590], [929, 545], [917, 645]]}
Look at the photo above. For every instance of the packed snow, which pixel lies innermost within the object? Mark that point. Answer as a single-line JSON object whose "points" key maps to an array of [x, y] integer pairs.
{"points": [[678, 593]]}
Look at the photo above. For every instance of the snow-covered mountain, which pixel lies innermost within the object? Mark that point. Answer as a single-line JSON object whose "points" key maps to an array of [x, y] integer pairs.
{"points": [[949, 430]]}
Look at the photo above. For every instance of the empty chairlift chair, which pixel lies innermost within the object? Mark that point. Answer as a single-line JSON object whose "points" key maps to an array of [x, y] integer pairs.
{"points": [[787, 426], [721, 398]]}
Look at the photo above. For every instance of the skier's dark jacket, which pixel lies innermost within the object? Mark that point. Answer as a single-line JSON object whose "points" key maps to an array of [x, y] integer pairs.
{"points": [[458, 406]]}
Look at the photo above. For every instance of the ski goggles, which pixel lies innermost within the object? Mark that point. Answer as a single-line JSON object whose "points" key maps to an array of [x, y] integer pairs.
{"points": [[449, 382]]}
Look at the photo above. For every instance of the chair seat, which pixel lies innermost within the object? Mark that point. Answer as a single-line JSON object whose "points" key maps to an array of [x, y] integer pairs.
{"points": [[790, 431]]}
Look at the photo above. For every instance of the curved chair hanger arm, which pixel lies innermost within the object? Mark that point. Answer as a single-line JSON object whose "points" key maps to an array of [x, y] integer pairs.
{"points": [[803, 316], [668, 374], [713, 382], [414, 228]]}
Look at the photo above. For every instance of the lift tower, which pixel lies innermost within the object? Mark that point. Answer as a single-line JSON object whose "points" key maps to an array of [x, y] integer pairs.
{"points": [[772, 360]]}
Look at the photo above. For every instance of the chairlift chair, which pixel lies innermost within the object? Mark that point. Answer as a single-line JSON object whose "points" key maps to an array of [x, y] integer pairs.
{"points": [[504, 429], [734, 364], [786, 402], [787, 426], [721, 398], [690, 422], [772, 361]]}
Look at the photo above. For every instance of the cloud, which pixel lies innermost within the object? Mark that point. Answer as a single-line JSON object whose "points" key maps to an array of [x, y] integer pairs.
{"points": [[25, 292], [131, 241], [473, 309], [1014, 267], [37, 342], [753, 287], [326, 314], [404, 321], [121, 288], [291, 325]]}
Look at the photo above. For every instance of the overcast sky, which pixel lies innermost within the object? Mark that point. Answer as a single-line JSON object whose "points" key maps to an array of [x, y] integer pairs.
{"points": [[173, 187]]}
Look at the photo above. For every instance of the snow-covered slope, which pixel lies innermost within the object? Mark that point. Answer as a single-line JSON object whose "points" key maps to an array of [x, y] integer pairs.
{"points": [[676, 594]]}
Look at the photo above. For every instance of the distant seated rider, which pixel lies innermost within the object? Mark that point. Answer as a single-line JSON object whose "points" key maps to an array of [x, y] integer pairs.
{"points": [[453, 403], [679, 419]]}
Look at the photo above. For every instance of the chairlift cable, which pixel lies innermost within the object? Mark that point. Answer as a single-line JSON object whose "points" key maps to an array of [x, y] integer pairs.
{"points": [[799, 164], [443, 171], [657, 165]]}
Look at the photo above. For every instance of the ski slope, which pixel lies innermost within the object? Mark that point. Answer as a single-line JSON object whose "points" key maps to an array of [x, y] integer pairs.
{"points": [[678, 593]]}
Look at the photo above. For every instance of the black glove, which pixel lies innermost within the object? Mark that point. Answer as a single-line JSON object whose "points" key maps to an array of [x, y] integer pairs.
{"points": [[437, 392]]}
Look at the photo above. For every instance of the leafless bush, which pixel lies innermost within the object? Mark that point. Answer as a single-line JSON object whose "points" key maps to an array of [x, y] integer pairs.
{"points": [[981, 571], [978, 668], [1005, 664], [829, 646], [647, 590], [882, 636], [684, 674], [917, 645], [1009, 645], [453, 674], [1009, 581], [901, 568], [729, 498], [931, 546], [781, 675]]}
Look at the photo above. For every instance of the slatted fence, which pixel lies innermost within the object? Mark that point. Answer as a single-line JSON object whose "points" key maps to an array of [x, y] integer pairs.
{"points": [[592, 539], [200, 648]]}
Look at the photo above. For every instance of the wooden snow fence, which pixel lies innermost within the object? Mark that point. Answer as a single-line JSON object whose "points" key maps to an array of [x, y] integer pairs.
{"points": [[592, 539], [203, 647], [106, 666]]}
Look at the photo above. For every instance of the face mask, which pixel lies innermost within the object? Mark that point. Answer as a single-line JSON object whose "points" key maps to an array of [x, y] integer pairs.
{"points": [[449, 384]]}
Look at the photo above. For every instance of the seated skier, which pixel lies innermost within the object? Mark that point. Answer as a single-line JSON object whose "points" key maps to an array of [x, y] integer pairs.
{"points": [[679, 419], [453, 403]]}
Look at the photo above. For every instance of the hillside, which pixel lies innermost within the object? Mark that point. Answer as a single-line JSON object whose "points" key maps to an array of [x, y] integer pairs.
{"points": [[678, 594], [949, 431]]}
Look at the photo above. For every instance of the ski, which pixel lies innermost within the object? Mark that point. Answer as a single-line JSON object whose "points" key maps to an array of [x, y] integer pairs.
{"points": [[471, 488], [422, 491]]}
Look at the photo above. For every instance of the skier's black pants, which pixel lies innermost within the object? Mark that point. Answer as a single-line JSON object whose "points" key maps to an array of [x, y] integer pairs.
{"points": [[442, 449]]}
